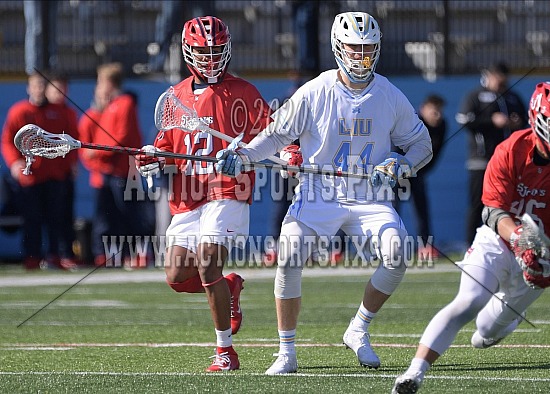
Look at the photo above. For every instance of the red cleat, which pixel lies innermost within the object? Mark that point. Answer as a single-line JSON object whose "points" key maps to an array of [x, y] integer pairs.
{"points": [[68, 264], [235, 283], [225, 359]]}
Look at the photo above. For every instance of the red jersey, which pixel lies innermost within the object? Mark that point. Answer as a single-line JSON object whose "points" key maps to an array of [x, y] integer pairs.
{"points": [[514, 183], [86, 129], [50, 117], [118, 126], [233, 106], [61, 118]]}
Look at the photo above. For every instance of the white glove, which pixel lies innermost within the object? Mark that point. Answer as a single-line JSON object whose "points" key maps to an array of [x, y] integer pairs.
{"points": [[230, 162], [392, 169], [149, 165]]}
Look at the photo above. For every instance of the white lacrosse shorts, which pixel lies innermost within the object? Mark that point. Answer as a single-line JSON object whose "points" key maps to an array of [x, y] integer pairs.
{"points": [[489, 251], [354, 218], [219, 222]]}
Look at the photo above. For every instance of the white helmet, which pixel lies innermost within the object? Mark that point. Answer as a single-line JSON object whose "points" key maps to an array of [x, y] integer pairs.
{"points": [[356, 28]]}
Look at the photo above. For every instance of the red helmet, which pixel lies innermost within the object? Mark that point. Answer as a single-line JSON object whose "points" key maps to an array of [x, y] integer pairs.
{"points": [[539, 112], [206, 46]]}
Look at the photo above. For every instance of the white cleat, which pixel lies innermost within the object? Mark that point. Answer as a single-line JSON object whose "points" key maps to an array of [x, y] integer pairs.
{"points": [[407, 383], [285, 363], [359, 342], [483, 343]]}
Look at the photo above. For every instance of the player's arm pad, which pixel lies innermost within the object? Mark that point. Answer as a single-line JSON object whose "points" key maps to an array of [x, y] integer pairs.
{"points": [[491, 216]]}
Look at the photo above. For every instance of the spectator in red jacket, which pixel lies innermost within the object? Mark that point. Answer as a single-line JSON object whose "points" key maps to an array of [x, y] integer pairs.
{"points": [[66, 121], [113, 121], [39, 190]]}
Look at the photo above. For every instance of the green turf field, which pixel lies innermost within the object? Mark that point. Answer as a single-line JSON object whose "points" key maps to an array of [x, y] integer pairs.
{"points": [[127, 332]]}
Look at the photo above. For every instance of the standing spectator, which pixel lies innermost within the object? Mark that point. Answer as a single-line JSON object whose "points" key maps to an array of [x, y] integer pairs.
{"points": [[40, 35], [490, 114], [87, 126], [345, 118], [209, 210], [504, 257], [431, 113], [117, 124], [65, 119], [41, 208]]}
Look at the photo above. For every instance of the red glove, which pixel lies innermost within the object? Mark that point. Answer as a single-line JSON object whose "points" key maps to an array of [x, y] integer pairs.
{"points": [[293, 156], [536, 271]]}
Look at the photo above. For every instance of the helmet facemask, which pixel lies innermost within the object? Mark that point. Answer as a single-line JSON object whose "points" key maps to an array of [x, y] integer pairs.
{"points": [[358, 68], [210, 61]]}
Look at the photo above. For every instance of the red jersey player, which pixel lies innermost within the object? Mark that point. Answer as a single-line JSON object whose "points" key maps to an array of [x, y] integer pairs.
{"points": [[209, 210], [517, 181]]}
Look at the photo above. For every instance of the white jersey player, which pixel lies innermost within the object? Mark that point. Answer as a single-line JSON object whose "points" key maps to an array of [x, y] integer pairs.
{"points": [[346, 119]]}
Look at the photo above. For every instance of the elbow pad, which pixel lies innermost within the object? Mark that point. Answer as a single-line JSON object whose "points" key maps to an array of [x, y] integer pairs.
{"points": [[491, 216]]}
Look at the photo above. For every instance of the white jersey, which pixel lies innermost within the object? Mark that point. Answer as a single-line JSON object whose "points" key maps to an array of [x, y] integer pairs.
{"points": [[344, 130]]}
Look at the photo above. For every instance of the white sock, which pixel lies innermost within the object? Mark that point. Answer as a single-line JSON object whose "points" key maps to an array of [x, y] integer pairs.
{"points": [[362, 319], [418, 365], [287, 341], [224, 338]]}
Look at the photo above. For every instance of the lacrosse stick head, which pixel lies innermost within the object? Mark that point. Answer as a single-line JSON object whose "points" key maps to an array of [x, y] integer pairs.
{"points": [[32, 141], [533, 238], [170, 113]]}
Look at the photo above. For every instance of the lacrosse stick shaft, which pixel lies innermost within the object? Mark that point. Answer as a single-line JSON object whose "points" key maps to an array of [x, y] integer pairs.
{"points": [[272, 166], [135, 151], [32, 140]]}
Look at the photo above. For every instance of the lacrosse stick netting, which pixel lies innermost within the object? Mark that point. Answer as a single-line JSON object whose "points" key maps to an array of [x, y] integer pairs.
{"points": [[33, 141], [533, 238], [171, 113]]}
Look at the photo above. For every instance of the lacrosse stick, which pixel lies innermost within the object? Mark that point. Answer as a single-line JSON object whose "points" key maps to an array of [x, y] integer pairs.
{"points": [[171, 113], [32, 141]]}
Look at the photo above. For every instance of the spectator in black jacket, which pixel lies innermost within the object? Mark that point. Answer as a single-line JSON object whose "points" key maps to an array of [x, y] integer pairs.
{"points": [[490, 114], [431, 113]]}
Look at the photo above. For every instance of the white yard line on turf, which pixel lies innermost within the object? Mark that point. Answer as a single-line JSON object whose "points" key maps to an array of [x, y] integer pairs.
{"points": [[287, 376], [21, 346], [108, 275]]}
